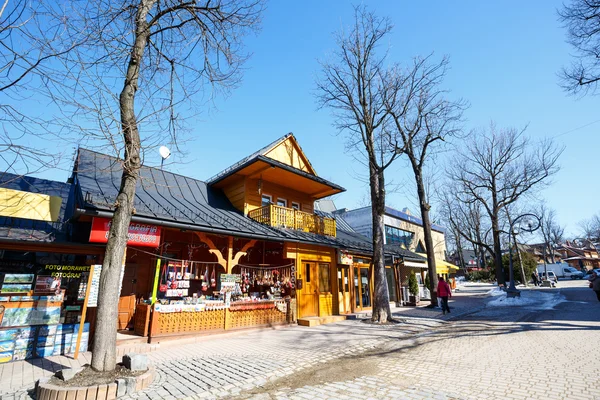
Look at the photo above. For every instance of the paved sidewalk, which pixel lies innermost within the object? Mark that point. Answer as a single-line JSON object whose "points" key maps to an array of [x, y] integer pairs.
{"points": [[226, 365]]}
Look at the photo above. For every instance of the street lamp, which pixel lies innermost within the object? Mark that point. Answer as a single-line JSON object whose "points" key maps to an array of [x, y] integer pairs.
{"points": [[523, 223]]}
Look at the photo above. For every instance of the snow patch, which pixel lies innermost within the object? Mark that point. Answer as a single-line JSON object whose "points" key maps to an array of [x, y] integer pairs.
{"points": [[495, 292], [533, 299]]}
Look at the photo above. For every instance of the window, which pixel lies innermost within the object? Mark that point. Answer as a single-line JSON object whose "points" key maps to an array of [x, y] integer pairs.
{"points": [[296, 206], [398, 236], [307, 274], [266, 199], [282, 202], [324, 281]]}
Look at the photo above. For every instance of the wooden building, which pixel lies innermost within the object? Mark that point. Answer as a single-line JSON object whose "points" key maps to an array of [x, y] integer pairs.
{"points": [[247, 248]]}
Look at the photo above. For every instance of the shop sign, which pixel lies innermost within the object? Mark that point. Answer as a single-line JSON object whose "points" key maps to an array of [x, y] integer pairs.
{"points": [[65, 271], [138, 234], [345, 258]]}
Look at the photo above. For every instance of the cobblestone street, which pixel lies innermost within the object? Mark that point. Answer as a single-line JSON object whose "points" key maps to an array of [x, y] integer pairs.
{"points": [[483, 352]]}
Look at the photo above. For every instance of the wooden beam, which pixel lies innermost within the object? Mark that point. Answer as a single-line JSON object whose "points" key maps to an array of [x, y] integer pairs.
{"points": [[242, 253], [212, 249]]}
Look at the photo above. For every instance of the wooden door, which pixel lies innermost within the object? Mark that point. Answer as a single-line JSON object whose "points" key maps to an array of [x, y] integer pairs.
{"points": [[127, 299], [309, 294], [344, 290]]}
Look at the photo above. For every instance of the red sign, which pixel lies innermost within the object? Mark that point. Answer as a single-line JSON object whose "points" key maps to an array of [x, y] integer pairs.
{"points": [[138, 235]]}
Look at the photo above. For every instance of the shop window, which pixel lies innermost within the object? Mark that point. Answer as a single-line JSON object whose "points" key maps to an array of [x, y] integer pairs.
{"points": [[324, 281], [266, 199], [296, 206], [282, 202], [307, 273]]}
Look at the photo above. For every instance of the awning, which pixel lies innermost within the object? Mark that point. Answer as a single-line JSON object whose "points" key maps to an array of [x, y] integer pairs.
{"points": [[443, 267]]}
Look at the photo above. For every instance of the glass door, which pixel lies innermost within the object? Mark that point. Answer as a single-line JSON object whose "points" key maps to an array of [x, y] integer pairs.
{"points": [[365, 280]]}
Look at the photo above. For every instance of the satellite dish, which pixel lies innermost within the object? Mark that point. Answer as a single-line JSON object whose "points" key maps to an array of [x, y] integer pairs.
{"points": [[164, 152]]}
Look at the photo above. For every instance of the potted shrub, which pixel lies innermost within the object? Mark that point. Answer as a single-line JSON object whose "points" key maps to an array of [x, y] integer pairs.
{"points": [[413, 289]]}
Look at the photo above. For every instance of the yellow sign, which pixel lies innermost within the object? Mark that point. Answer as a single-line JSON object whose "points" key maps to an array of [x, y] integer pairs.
{"points": [[19, 204]]}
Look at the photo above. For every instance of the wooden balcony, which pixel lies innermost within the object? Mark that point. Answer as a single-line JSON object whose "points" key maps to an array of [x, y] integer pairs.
{"points": [[282, 217]]}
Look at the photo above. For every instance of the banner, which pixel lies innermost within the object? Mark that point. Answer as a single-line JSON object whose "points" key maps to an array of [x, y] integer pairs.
{"points": [[138, 235]]}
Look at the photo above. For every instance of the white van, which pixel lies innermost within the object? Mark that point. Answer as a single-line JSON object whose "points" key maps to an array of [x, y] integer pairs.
{"points": [[561, 270]]}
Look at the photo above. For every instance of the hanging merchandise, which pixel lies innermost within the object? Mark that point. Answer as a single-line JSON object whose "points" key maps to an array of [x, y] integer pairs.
{"points": [[163, 287], [213, 278], [205, 280]]}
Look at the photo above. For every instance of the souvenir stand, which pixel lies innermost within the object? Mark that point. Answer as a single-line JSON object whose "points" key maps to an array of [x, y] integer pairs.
{"points": [[198, 297], [40, 308]]}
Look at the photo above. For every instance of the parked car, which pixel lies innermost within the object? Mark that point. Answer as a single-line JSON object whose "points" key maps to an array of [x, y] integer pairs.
{"points": [[551, 277], [589, 273]]}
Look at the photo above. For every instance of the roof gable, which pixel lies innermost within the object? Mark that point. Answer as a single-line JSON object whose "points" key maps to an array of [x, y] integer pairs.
{"points": [[288, 151]]}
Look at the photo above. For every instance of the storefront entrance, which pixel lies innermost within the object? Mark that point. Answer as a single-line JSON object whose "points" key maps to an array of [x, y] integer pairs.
{"points": [[362, 288], [344, 300], [309, 294]]}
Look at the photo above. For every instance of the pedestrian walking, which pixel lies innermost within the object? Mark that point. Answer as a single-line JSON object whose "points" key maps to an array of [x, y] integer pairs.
{"points": [[595, 283], [535, 278], [443, 292]]}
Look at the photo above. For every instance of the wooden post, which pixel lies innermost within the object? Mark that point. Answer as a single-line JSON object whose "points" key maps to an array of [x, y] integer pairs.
{"points": [[83, 313], [229, 255], [156, 280]]}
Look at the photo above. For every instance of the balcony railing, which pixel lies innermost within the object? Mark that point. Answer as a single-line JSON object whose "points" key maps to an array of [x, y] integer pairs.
{"points": [[283, 217]]}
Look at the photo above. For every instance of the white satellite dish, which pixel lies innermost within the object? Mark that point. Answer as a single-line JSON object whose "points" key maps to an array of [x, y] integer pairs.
{"points": [[164, 152]]}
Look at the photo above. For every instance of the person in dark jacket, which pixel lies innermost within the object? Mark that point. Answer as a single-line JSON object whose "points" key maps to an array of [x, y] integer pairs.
{"points": [[443, 292]]}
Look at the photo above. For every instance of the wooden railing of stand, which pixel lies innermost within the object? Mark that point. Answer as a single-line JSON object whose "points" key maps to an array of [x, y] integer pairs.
{"points": [[283, 217]]}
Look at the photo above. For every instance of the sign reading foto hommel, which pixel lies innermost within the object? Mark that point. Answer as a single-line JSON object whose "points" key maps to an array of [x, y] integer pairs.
{"points": [[138, 235]]}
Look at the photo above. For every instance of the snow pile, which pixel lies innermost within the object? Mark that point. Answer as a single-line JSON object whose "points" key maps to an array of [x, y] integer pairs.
{"points": [[496, 292], [534, 299]]}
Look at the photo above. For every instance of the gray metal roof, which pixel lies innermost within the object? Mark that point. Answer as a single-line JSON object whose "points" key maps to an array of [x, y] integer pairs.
{"points": [[162, 195], [340, 222], [31, 230]]}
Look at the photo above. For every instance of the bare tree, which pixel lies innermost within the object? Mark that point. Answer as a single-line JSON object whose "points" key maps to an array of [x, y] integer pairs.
{"points": [[552, 232], [29, 41], [581, 18], [467, 222], [590, 228], [497, 168], [352, 84], [421, 118], [138, 63]]}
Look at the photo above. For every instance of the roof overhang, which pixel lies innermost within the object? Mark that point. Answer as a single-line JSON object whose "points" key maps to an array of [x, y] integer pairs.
{"points": [[276, 172]]}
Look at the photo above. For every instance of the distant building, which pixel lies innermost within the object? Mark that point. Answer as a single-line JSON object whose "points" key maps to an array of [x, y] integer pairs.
{"points": [[401, 228], [580, 257]]}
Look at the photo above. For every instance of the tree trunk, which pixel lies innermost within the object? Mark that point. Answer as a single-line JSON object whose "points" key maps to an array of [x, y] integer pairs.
{"points": [[424, 206], [498, 253], [520, 261], [105, 336], [381, 297]]}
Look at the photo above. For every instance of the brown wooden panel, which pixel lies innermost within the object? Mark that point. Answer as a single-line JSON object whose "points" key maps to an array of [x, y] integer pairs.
{"points": [[254, 199]]}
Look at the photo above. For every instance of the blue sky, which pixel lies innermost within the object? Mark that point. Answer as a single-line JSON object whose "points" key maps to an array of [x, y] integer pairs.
{"points": [[504, 61]]}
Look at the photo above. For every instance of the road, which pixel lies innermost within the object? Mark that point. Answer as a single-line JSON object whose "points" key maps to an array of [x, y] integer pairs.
{"points": [[528, 352]]}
